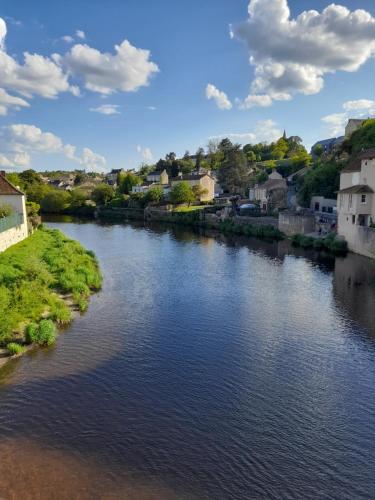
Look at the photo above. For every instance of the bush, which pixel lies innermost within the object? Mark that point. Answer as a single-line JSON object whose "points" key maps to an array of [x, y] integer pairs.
{"points": [[32, 331], [42, 334], [46, 333], [14, 348], [5, 210], [60, 312]]}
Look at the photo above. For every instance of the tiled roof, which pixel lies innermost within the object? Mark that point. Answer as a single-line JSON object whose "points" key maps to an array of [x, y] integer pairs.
{"points": [[6, 188], [274, 184], [355, 164], [358, 189]]}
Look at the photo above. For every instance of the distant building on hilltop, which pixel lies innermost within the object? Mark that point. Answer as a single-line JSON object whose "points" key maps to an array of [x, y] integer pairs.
{"points": [[112, 177], [328, 145]]}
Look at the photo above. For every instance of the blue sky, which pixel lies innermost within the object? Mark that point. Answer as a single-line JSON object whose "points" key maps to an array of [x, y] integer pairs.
{"points": [[165, 106]]}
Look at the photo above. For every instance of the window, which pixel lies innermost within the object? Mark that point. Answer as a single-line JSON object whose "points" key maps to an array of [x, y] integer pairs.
{"points": [[350, 200], [353, 219], [363, 198]]}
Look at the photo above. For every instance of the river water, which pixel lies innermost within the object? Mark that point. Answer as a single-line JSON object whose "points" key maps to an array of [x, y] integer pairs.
{"points": [[206, 368]]}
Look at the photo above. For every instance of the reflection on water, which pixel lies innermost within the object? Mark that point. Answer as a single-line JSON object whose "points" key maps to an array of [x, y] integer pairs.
{"points": [[207, 367]]}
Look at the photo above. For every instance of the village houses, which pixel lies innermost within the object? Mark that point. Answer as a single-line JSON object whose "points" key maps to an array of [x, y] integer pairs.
{"points": [[271, 194], [356, 204], [205, 181], [13, 227]]}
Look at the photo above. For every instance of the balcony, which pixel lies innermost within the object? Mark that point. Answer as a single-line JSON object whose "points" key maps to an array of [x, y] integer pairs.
{"points": [[13, 220]]}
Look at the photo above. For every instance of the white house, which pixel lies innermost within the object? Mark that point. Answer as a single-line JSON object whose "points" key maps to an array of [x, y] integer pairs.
{"points": [[13, 228], [356, 204]]}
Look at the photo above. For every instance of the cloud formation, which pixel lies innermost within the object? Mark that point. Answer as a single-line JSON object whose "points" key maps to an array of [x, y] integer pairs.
{"points": [[361, 108], [127, 70], [218, 96], [20, 141], [264, 131], [107, 109], [293, 55]]}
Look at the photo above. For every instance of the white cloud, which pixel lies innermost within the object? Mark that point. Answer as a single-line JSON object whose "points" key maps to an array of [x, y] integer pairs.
{"points": [[128, 69], [264, 131], [107, 109], [47, 76], [80, 34], [294, 55], [361, 108], [20, 141], [145, 153], [366, 105], [152, 108], [219, 97], [67, 39], [252, 101], [10, 102]]}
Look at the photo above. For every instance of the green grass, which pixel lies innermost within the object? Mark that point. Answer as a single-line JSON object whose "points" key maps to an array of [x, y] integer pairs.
{"points": [[192, 208], [35, 271], [14, 348]]}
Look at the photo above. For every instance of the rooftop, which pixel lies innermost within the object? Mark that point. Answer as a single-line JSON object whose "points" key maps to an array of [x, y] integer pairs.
{"points": [[358, 189], [6, 188], [355, 164]]}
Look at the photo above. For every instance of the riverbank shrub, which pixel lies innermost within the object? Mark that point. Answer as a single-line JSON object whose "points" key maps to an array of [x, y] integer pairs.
{"points": [[14, 349], [267, 232], [330, 243], [34, 272], [42, 334]]}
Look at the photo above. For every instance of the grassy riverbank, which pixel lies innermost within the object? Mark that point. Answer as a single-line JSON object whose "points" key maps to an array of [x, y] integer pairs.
{"points": [[44, 277]]}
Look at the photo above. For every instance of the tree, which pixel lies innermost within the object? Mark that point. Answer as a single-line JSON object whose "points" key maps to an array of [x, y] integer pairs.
{"points": [[181, 193], [323, 180], [154, 195], [318, 151], [280, 149], [55, 202], [199, 157], [127, 181], [79, 178], [233, 174], [102, 194], [78, 199]]}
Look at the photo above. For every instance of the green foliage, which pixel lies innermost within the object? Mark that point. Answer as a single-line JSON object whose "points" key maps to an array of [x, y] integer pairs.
{"points": [[34, 271], [233, 173], [102, 194], [5, 210], [15, 349], [280, 149], [46, 333], [55, 202], [267, 232], [126, 182], [32, 208], [181, 193], [361, 139], [330, 243], [154, 195], [321, 180]]}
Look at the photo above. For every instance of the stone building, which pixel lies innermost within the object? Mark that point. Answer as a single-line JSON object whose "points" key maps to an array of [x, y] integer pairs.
{"points": [[13, 228], [356, 204]]}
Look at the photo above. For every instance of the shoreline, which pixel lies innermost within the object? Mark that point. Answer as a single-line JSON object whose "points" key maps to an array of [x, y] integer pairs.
{"points": [[50, 279]]}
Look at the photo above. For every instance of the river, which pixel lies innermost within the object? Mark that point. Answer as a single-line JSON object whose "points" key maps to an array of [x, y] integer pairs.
{"points": [[207, 368]]}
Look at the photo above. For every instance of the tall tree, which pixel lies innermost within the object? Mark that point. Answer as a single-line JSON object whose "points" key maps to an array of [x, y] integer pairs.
{"points": [[233, 174]]}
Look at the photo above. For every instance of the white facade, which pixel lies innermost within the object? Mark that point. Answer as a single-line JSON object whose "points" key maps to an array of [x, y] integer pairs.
{"points": [[13, 229], [356, 205]]}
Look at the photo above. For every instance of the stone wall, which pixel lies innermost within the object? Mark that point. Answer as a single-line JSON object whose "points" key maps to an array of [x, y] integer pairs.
{"points": [[364, 242], [12, 236], [292, 223]]}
